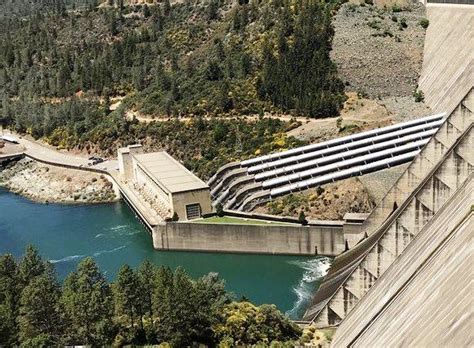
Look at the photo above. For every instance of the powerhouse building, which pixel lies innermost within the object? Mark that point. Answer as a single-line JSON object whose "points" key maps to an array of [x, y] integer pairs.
{"points": [[164, 183]]}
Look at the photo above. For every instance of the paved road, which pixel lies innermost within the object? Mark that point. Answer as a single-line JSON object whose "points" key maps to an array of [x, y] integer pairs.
{"points": [[48, 154]]}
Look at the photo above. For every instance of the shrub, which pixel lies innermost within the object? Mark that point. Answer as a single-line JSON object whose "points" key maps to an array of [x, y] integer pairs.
{"points": [[374, 24], [351, 7], [219, 210], [397, 8], [175, 217], [419, 96], [424, 23], [302, 218], [319, 190], [403, 24]]}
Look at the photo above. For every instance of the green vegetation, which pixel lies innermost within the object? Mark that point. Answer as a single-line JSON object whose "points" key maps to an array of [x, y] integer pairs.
{"points": [[60, 70], [397, 8], [424, 23], [302, 218], [402, 24], [190, 58], [418, 95], [219, 210], [149, 305], [374, 24], [288, 205], [202, 145], [239, 221]]}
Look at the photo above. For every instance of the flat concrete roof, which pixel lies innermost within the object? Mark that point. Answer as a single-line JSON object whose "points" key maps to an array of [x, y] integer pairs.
{"points": [[168, 172]]}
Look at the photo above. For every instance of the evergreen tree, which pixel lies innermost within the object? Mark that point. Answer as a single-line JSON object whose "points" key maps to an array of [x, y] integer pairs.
{"points": [[219, 210], [30, 266], [126, 294], [167, 8], [209, 297], [9, 286], [146, 274], [87, 305], [163, 302], [39, 319], [302, 218], [178, 310], [212, 10], [178, 323]]}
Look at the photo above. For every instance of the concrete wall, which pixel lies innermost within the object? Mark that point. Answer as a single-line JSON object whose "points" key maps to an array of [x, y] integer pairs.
{"points": [[447, 72], [290, 240], [125, 155], [125, 163], [181, 199]]}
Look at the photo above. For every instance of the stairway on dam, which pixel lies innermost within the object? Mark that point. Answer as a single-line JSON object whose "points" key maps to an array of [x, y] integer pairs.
{"points": [[445, 164]]}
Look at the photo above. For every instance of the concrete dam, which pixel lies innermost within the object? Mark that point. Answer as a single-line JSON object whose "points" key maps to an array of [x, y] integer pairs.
{"points": [[437, 173], [407, 278]]}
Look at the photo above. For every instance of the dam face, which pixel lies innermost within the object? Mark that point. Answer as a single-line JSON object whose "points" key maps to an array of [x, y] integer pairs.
{"points": [[432, 178], [432, 199]]}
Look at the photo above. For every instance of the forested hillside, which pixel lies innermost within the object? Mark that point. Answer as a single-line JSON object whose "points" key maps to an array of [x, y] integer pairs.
{"points": [[61, 66]]}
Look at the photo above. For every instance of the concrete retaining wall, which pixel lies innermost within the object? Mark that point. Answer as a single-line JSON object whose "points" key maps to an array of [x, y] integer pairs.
{"points": [[288, 240]]}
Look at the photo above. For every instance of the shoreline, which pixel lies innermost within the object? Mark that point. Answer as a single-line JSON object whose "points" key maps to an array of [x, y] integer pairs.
{"points": [[43, 183], [46, 202]]}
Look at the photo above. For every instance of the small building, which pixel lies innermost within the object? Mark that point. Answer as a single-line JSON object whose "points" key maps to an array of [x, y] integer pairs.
{"points": [[164, 183]]}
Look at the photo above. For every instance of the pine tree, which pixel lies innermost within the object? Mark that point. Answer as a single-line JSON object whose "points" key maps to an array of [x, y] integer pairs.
{"points": [[39, 320], [163, 302], [178, 325], [87, 305], [30, 266], [9, 298], [146, 274], [126, 294]]}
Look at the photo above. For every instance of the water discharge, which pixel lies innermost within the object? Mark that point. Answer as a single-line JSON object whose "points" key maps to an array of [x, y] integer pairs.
{"points": [[314, 272], [110, 233]]}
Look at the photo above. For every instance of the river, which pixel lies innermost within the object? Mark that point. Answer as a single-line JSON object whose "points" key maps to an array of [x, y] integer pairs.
{"points": [[65, 234]]}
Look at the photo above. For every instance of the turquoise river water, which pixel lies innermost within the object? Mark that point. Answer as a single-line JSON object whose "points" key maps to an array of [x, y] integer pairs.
{"points": [[65, 234]]}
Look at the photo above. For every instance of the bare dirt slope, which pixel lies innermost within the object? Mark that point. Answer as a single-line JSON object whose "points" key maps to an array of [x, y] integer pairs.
{"points": [[328, 202], [379, 51]]}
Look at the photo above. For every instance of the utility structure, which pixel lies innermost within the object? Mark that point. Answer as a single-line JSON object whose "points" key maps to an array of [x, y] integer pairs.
{"points": [[247, 184], [165, 184]]}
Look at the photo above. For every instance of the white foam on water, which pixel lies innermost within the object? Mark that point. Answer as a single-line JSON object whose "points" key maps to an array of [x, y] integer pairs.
{"points": [[129, 233], [98, 253], [98, 235], [314, 271], [68, 258], [101, 252], [118, 227]]}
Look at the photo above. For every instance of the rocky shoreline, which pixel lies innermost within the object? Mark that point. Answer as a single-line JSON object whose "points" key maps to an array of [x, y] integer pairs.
{"points": [[49, 184]]}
